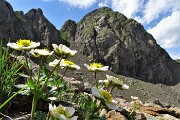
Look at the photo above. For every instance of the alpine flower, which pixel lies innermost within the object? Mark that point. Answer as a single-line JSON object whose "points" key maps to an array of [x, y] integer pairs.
{"points": [[41, 52], [63, 51], [61, 113], [105, 97], [134, 98], [93, 67], [69, 64], [55, 63], [116, 81], [23, 44]]}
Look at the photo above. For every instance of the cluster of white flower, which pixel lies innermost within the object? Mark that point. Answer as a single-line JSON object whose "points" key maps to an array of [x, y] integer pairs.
{"points": [[104, 96]]}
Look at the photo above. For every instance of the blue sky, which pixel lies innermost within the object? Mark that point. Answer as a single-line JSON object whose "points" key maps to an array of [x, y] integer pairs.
{"points": [[161, 18]]}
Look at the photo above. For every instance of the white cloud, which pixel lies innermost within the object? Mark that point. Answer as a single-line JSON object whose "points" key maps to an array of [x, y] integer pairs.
{"points": [[104, 3], [167, 31], [127, 7], [154, 8], [79, 3]]}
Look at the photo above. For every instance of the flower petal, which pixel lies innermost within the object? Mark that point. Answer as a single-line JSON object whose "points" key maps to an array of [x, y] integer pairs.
{"points": [[112, 106], [95, 92], [51, 108], [105, 68], [74, 118], [61, 117], [71, 110], [125, 87], [54, 63], [14, 46]]}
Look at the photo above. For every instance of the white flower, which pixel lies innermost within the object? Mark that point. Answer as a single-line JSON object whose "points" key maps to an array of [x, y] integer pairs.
{"points": [[62, 113], [54, 64], [23, 44], [106, 97], [69, 64], [134, 98], [114, 80], [63, 51], [93, 67], [124, 87], [106, 82], [120, 84], [41, 52]]}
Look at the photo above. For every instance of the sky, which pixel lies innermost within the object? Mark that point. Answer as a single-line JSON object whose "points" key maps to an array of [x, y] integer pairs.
{"points": [[161, 18]]}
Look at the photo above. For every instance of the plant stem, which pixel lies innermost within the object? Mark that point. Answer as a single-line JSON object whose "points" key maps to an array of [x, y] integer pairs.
{"points": [[30, 74], [64, 73], [112, 88], [40, 66], [34, 103], [95, 74], [12, 97], [47, 78]]}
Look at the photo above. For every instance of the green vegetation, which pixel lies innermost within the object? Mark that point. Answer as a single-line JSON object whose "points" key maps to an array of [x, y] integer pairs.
{"points": [[19, 15], [9, 73], [46, 84], [178, 60], [64, 35]]}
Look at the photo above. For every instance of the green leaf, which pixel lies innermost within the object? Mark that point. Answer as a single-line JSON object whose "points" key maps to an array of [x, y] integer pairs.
{"points": [[31, 83], [45, 71], [55, 72], [93, 105]]}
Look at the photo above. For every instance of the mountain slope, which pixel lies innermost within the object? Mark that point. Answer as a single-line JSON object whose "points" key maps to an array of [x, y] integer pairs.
{"points": [[123, 44]]}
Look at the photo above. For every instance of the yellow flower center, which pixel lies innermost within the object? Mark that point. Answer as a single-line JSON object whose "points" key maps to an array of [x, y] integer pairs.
{"points": [[98, 65], [120, 82], [68, 62], [106, 95], [60, 110], [23, 43]]}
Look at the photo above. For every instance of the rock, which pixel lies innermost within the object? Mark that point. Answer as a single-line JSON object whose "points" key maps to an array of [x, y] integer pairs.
{"points": [[68, 30], [113, 115], [154, 102], [33, 25], [166, 117], [140, 116], [78, 86], [124, 45]]}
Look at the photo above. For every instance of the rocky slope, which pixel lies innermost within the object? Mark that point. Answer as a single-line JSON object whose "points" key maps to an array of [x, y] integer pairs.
{"points": [[102, 35], [123, 44], [32, 25]]}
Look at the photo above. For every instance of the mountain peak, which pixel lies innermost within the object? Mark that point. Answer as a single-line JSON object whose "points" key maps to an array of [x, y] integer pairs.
{"points": [[111, 38]]}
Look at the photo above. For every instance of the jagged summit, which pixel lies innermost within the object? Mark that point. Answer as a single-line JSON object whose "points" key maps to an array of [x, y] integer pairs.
{"points": [[111, 38], [32, 25]]}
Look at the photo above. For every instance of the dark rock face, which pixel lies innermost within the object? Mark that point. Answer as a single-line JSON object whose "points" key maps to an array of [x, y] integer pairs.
{"points": [[68, 30], [32, 25], [123, 44]]}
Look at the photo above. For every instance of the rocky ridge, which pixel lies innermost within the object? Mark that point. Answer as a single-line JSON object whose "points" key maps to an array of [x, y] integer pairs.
{"points": [[123, 44], [32, 25]]}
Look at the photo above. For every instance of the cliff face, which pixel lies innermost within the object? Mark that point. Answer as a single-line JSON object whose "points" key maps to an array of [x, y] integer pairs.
{"points": [[123, 44], [32, 25], [102, 35]]}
